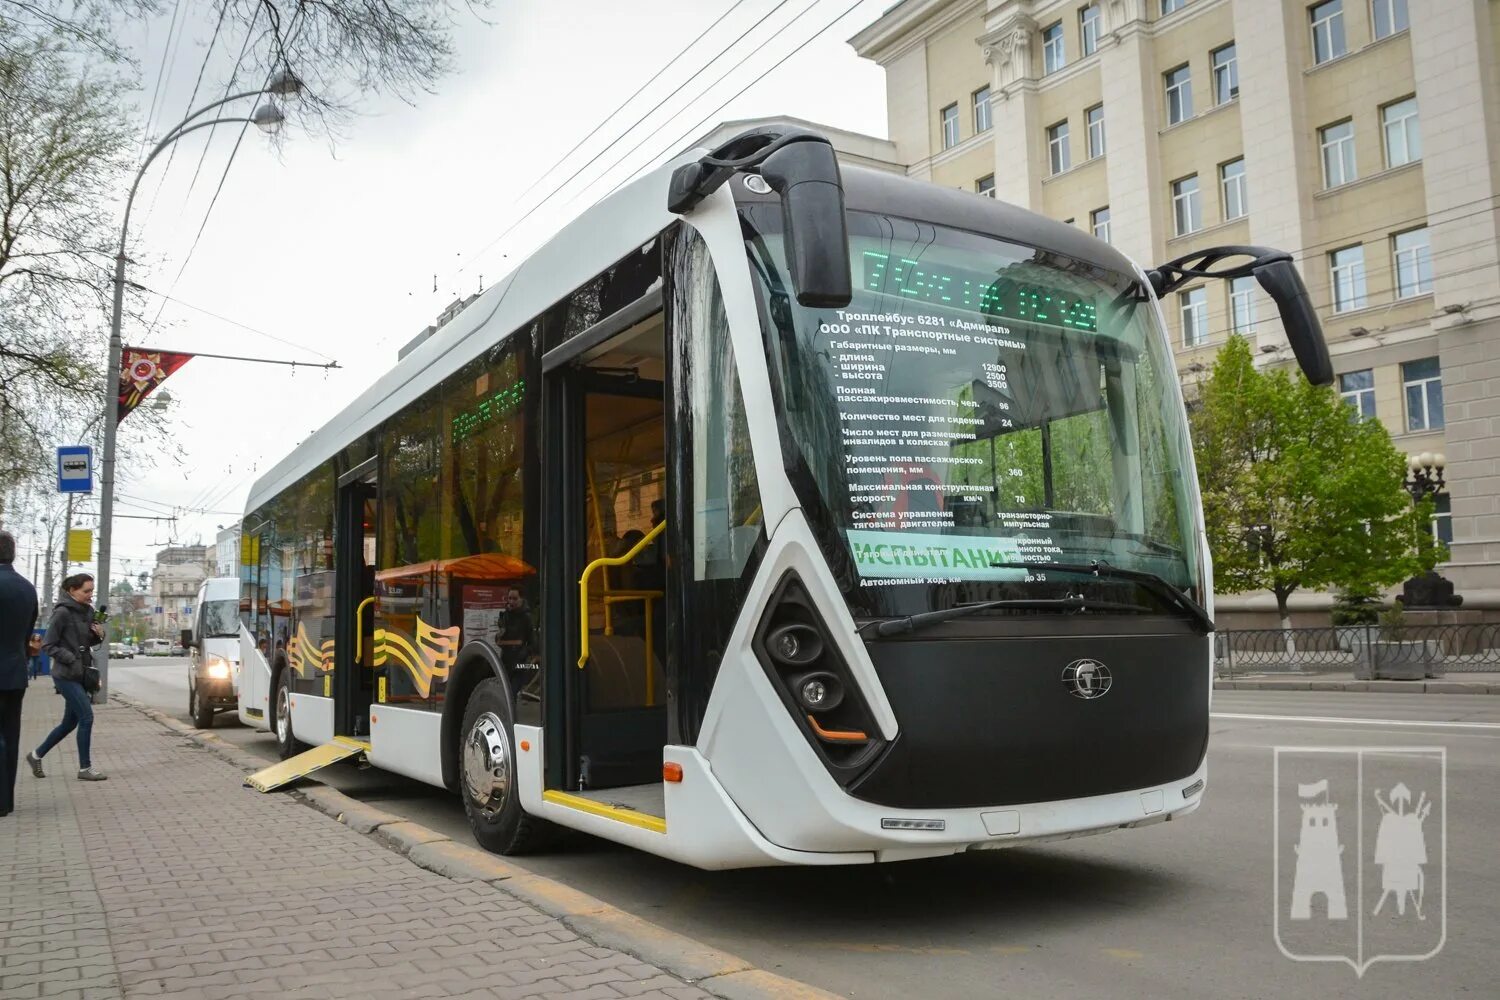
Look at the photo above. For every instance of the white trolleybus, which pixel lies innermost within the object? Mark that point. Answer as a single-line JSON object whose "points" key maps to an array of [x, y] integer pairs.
{"points": [[772, 513]]}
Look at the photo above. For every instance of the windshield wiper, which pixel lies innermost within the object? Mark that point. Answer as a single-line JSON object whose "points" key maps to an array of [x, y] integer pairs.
{"points": [[1162, 588], [898, 626]]}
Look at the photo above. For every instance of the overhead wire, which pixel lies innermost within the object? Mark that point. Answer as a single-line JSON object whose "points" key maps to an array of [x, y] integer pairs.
{"points": [[638, 122], [735, 96], [225, 319], [191, 104], [161, 74]]}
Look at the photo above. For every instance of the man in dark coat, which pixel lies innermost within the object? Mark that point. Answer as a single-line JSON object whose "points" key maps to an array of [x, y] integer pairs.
{"points": [[18, 610]]}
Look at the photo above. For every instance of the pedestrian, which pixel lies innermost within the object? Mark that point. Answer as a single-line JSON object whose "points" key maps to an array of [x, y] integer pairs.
{"points": [[70, 639], [17, 620]]}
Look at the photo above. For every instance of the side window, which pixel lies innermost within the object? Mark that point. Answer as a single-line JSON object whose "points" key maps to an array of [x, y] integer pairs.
{"points": [[725, 499]]}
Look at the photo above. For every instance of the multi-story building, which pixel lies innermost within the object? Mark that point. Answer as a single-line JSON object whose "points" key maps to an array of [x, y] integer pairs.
{"points": [[226, 557], [1356, 135], [180, 569]]}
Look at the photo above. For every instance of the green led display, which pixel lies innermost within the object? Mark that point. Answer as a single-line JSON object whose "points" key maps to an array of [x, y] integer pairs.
{"points": [[493, 407], [978, 292]]}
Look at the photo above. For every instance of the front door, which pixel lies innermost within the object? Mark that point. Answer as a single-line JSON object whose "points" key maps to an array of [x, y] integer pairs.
{"points": [[611, 558], [354, 673]]}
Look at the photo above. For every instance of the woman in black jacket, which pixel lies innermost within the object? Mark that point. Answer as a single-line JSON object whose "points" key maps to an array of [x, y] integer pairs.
{"points": [[70, 640]]}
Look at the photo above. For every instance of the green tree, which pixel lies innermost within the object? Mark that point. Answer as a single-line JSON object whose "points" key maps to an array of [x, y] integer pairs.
{"points": [[1297, 491]]}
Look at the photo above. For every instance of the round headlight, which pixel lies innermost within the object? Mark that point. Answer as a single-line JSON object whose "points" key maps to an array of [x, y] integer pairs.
{"points": [[819, 691], [795, 645]]}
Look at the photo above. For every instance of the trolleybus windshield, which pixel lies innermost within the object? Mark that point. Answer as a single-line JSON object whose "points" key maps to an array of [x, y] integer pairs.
{"points": [[978, 403]]}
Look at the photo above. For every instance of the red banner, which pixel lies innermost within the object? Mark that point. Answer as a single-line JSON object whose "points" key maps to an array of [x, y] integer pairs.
{"points": [[141, 371]]}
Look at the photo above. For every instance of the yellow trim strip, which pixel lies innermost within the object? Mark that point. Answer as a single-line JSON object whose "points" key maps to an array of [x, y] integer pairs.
{"points": [[583, 588], [350, 741], [653, 823]]}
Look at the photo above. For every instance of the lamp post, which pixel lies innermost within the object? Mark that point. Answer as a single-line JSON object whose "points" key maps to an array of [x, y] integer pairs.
{"points": [[268, 117], [1424, 475]]}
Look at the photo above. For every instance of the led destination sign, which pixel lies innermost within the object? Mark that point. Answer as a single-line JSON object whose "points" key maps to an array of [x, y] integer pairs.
{"points": [[961, 288]]}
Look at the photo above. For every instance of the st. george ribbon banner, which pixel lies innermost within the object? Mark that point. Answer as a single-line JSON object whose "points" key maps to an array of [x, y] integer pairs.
{"points": [[141, 371]]}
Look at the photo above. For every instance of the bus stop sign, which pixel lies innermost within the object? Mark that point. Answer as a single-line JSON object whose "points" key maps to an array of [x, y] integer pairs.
{"points": [[75, 469]]}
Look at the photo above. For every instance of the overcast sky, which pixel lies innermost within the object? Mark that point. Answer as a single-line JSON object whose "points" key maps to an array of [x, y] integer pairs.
{"points": [[333, 251]]}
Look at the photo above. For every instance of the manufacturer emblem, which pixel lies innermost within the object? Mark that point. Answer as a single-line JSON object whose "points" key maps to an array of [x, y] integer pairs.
{"points": [[1087, 679]]}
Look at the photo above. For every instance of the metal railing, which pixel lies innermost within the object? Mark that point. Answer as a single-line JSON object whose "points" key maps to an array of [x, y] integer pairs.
{"points": [[1366, 651]]}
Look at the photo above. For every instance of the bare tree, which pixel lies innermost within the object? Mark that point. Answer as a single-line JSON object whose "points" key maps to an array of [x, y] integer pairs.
{"points": [[62, 148]]}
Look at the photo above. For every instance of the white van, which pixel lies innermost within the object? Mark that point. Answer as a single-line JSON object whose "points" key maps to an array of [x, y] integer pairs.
{"points": [[213, 645]]}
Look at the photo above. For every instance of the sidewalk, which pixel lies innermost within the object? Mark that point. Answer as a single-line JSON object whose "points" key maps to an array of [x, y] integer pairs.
{"points": [[1475, 683], [169, 879]]}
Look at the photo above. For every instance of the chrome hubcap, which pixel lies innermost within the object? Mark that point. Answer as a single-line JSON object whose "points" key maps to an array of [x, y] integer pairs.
{"points": [[283, 714], [486, 764]]}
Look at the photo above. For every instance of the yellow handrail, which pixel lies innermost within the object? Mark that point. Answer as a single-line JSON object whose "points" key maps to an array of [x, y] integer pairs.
{"points": [[583, 591], [359, 632]]}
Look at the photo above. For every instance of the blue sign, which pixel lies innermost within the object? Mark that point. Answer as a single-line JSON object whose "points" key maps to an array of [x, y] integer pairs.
{"points": [[158, 609], [75, 469]]}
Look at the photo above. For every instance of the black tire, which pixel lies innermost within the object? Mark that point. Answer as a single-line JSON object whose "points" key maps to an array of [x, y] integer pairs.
{"points": [[505, 828], [203, 717], [281, 724]]}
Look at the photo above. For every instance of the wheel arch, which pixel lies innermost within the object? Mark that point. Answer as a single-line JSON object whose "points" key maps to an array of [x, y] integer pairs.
{"points": [[477, 661]]}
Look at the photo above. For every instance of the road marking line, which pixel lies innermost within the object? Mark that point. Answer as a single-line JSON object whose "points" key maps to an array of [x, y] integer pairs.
{"points": [[1244, 716]]}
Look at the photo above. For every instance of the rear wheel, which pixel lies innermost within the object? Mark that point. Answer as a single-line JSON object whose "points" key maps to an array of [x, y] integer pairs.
{"points": [[281, 717], [203, 717], [487, 767]]}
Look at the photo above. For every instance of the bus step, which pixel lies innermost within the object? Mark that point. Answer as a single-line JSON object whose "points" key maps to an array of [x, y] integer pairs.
{"points": [[303, 764]]}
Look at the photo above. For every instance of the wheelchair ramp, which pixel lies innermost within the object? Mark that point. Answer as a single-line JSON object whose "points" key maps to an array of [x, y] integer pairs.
{"points": [[305, 763]]}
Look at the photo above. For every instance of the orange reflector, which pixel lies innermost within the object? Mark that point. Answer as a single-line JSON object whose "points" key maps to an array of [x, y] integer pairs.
{"points": [[373, 720], [671, 772], [525, 744]]}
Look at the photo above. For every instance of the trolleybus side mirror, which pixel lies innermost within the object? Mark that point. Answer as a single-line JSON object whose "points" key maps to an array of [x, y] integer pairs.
{"points": [[806, 176], [800, 166], [1276, 273], [1303, 331], [185, 640]]}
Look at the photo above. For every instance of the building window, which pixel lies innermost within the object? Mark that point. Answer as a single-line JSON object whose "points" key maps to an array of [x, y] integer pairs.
{"points": [[1194, 309], [1442, 518], [1167, 6], [1423, 385], [1347, 275], [1179, 95], [1057, 147], [1338, 153], [1095, 118], [1327, 30], [1187, 215], [1390, 17], [1413, 263], [1232, 185], [1088, 28], [1242, 304], [1358, 390], [1403, 133], [1054, 56], [985, 186], [1226, 74], [1099, 222], [982, 110], [950, 126]]}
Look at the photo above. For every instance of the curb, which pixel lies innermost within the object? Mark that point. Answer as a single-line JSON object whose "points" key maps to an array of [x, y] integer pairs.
{"points": [[1381, 687], [717, 972]]}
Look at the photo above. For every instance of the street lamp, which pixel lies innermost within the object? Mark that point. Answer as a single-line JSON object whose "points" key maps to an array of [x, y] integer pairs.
{"points": [[267, 117], [1424, 475]]}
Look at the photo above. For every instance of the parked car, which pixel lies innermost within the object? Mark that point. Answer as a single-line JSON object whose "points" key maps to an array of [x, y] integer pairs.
{"points": [[121, 651]]}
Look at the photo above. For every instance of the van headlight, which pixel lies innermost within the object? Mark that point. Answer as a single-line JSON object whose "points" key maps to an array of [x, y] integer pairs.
{"points": [[218, 668]]}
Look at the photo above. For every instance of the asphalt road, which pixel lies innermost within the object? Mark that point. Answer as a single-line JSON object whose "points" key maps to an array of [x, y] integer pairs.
{"points": [[1181, 909]]}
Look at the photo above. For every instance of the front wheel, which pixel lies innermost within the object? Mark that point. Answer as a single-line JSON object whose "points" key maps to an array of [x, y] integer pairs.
{"points": [[487, 765], [203, 717], [281, 720]]}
